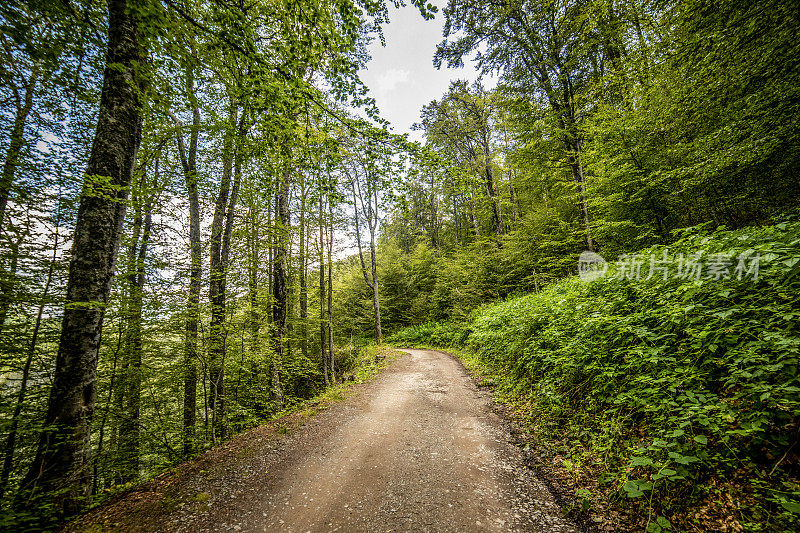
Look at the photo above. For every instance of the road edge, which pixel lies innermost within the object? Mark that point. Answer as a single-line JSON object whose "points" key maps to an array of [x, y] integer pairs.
{"points": [[101, 516], [544, 472]]}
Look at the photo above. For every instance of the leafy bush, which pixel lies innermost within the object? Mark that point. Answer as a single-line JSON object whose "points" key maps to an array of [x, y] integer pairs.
{"points": [[432, 333], [668, 384]]}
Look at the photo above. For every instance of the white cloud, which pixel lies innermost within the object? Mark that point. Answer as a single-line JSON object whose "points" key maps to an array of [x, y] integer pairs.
{"points": [[388, 81], [401, 76]]}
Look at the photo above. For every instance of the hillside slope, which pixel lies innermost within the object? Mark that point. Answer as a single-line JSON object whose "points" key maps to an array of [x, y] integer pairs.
{"points": [[675, 398]]}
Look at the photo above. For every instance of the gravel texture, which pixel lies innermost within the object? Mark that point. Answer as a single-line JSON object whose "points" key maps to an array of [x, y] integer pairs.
{"points": [[417, 449]]}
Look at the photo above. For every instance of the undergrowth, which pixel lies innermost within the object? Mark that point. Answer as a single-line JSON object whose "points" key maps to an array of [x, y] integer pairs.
{"points": [[677, 399], [356, 364]]}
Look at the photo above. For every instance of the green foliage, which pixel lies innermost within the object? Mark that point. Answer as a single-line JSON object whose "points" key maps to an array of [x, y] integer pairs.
{"points": [[623, 121], [673, 386], [674, 142], [431, 334]]}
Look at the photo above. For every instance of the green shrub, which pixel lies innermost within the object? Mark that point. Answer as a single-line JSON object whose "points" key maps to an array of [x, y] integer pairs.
{"points": [[667, 383]]}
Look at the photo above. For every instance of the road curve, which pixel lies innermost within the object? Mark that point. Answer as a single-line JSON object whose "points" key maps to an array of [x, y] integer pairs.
{"points": [[418, 449]]}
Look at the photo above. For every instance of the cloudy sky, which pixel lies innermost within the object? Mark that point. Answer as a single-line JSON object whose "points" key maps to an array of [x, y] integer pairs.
{"points": [[401, 75]]}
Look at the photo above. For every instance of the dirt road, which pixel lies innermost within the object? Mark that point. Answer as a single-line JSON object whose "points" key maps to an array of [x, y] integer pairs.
{"points": [[418, 449]]}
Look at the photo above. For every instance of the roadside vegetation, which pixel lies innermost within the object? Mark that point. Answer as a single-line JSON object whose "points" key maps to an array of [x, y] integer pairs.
{"points": [[677, 400]]}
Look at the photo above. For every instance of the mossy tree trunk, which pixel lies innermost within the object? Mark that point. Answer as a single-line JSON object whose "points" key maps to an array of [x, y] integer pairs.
{"points": [[62, 465]]}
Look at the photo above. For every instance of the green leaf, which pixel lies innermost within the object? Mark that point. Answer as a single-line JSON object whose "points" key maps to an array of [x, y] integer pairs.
{"points": [[682, 459], [701, 439], [792, 507], [632, 488], [636, 488], [653, 527]]}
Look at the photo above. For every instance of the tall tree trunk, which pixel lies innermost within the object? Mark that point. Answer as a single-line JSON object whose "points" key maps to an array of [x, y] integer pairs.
{"points": [[129, 427], [62, 461], [11, 439], [330, 292], [457, 226], [303, 270], [270, 247], [371, 214], [322, 328], [280, 303], [376, 301], [571, 140], [217, 275], [576, 169], [253, 239], [225, 255], [101, 432], [190, 354], [491, 190], [16, 142]]}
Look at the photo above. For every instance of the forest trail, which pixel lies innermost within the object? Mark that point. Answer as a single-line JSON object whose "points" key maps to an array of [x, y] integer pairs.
{"points": [[417, 449]]}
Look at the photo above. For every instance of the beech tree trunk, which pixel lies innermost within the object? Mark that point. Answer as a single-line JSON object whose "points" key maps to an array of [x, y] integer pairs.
{"points": [[280, 302], [62, 462], [376, 302], [129, 426], [112, 387], [253, 244], [491, 185], [303, 270], [190, 354], [369, 206], [576, 169], [457, 226], [220, 240], [322, 328], [330, 291]]}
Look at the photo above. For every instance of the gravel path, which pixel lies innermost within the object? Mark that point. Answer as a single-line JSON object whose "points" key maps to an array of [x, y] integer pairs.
{"points": [[417, 449]]}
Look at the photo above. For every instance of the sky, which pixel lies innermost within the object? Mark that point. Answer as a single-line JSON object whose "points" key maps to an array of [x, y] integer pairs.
{"points": [[401, 76]]}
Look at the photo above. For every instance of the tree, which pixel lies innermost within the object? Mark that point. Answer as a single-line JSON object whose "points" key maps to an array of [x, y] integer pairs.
{"points": [[280, 282], [22, 74], [460, 124], [62, 460], [221, 228], [258, 60], [542, 49], [366, 185], [144, 198], [11, 439], [188, 161]]}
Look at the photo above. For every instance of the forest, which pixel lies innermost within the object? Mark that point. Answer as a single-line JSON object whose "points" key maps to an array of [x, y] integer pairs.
{"points": [[205, 221]]}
